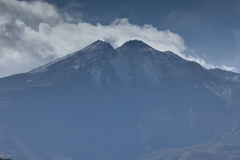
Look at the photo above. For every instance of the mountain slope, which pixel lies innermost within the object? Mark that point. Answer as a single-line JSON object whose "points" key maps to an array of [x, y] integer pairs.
{"points": [[132, 102], [81, 63], [228, 75]]}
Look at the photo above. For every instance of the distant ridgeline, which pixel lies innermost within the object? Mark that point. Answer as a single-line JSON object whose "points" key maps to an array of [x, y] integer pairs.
{"points": [[4, 159]]}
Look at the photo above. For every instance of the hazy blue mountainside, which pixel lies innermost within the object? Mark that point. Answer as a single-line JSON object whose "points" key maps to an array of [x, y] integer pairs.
{"points": [[226, 74], [132, 102]]}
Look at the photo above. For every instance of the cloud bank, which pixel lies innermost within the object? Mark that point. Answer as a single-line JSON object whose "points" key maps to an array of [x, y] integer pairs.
{"points": [[34, 33]]}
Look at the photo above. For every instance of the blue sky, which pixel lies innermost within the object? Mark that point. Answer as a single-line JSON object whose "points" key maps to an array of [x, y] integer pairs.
{"points": [[33, 33]]}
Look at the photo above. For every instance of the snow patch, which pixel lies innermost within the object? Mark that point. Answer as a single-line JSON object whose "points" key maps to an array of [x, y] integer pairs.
{"points": [[27, 152], [96, 74], [229, 133], [29, 81], [236, 78], [221, 91], [76, 67], [192, 118], [44, 67], [60, 157], [108, 82]]}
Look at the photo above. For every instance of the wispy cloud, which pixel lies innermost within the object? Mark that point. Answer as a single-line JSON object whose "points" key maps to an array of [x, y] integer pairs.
{"points": [[34, 33]]}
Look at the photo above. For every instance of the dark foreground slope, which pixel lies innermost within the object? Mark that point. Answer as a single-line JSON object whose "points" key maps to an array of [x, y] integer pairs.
{"points": [[132, 102]]}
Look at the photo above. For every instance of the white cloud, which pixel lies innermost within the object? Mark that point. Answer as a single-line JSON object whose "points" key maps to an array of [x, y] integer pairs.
{"points": [[34, 33], [66, 37], [208, 65], [35, 11]]}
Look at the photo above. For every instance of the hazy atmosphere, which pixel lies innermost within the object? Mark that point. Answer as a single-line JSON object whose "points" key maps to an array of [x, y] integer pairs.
{"points": [[33, 33], [119, 80]]}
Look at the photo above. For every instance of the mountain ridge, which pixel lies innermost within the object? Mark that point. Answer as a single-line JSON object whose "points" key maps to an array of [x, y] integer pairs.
{"points": [[132, 102], [138, 46]]}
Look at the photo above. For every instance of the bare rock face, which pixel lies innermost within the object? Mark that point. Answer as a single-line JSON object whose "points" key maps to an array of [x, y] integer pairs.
{"points": [[132, 102]]}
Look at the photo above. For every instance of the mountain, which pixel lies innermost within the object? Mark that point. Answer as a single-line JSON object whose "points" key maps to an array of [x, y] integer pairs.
{"points": [[132, 102], [228, 75]]}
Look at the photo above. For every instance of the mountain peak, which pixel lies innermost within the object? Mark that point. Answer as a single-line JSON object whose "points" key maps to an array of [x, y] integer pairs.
{"points": [[98, 44], [98, 47], [135, 44]]}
